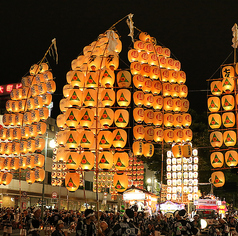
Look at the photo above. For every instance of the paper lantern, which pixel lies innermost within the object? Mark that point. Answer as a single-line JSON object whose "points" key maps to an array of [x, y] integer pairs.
{"points": [[228, 119], [31, 146], [44, 113], [164, 74], [137, 148], [30, 162], [66, 90], [72, 160], [155, 72], [133, 55], [75, 78], [148, 100], [187, 135], [6, 178], [16, 148], [106, 117], [231, 158], [148, 150], [30, 177], [39, 144], [167, 89], [228, 102], [216, 139], [14, 164], [108, 97], [119, 138], [214, 121], [86, 117], [139, 45], [75, 97], [86, 139], [138, 98], [72, 181], [168, 119], [90, 97], [185, 105], [105, 160], [213, 104], [181, 77], [228, 72], [216, 88], [177, 151], [135, 68], [46, 99], [87, 160], [145, 70], [218, 179], [5, 119], [41, 128], [178, 135], [35, 116], [71, 118], [139, 132], [121, 118], [92, 80], [138, 81], [60, 121], [72, 139], [107, 78], [149, 133], [64, 105], [158, 134], [23, 147], [144, 36], [183, 91], [175, 92], [123, 97], [39, 160], [228, 85], [156, 87], [138, 114], [177, 105], [158, 118], [105, 139], [51, 86], [112, 60], [168, 104], [39, 175], [187, 150], [217, 159], [162, 64], [124, 79], [9, 134], [158, 102], [229, 138], [120, 182], [121, 160], [168, 135]]}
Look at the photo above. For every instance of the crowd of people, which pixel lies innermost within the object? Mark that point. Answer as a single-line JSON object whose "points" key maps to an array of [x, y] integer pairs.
{"points": [[126, 222]]}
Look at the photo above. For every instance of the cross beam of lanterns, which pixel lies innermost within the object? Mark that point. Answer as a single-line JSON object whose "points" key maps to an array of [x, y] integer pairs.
{"points": [[222, 117], [24, 125]]}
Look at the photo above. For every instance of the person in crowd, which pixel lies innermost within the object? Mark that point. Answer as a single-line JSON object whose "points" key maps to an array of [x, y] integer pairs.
{"points": [[87, 226], [59, 229], [7, 220], [34, 223]]}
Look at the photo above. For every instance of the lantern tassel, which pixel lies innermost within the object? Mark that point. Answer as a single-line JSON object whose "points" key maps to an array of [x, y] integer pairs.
{"points": [[235, 36], [130, 24], [112, 42], [55, 49]]}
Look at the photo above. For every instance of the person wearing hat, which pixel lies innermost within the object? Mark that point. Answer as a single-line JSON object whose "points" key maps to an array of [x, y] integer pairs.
{"points": [[126, 227], [59, 229], [34, 223], [86, 227], [7, 220]]}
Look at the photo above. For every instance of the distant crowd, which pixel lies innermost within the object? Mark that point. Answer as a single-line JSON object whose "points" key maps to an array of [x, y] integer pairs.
{"points": [[125, 222]]}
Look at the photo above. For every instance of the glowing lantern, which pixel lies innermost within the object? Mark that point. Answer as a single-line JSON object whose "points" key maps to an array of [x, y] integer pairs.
{"points": [[105, 139], [163, 64], [156, 87], [175, 90], [148, 100], [105, 160], [138, 81], [168, 135], [87, 160], [158, 118], [185, 105], [39, 144], [39, 175], [12, 118], [23, 147], [124, 79], [123, 97], [187, 119], [72, 139], [139, 132], [72, 160], [145, 70], [168, 104], [187, 150], [139, 45], [66, 90], [30, 162], [158, 102], [35, 116], [167, 89], [183, 91], [228, 85], [31, 145], [216, 88], [107, 78], [178, 135], [86, 117], [51, 86], [5, 119], [120, 182], [75, 78], [216, 139], [138, 114], [158, 135], [133, 55], [71, 118], [121, 160], [91, 80], [75, 97], [112, 60], [187, 135], [121, 118], [164, 75], [138, 98], [86, 139], [38, 102], [148, 150], [229, 138], [8, 148], [168, 119], [108, 97], [41, 128], [228, 119], [217, 159], [228, 102], [155, 72], [44, 113], [181, 77], [9, 134], [16, 148], [90, 97], [149, 133], [39, 160], [25, 132], [119, 138], [6, 178], [228, 72], [46, 99], [135, 68], [144, 36], [30, 177], [218, 179], [64, 104], [72, 181], [213, 104], [106, 117], [177, 105], [231, 158], [34, 69], [177, 151], [14, 165], [214, 121], [60, 121], [137, 148]]}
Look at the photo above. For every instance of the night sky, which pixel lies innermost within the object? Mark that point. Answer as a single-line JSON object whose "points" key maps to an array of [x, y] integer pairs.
{"points": [[198, 33]]}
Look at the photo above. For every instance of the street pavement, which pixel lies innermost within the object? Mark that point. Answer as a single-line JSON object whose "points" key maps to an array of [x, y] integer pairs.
{"points": [[16, 232]]}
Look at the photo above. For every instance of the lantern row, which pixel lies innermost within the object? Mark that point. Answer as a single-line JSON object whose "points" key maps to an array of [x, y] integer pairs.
{"points": [[230, 157]]}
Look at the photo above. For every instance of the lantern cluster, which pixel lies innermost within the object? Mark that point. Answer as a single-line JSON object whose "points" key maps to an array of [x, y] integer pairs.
{"points": [[160, 97], [222, 105], [94, 113], [24, 123], [182, 173]]}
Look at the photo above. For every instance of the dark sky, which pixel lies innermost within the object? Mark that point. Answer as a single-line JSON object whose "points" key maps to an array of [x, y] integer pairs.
{"points": [[198, 33]]}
